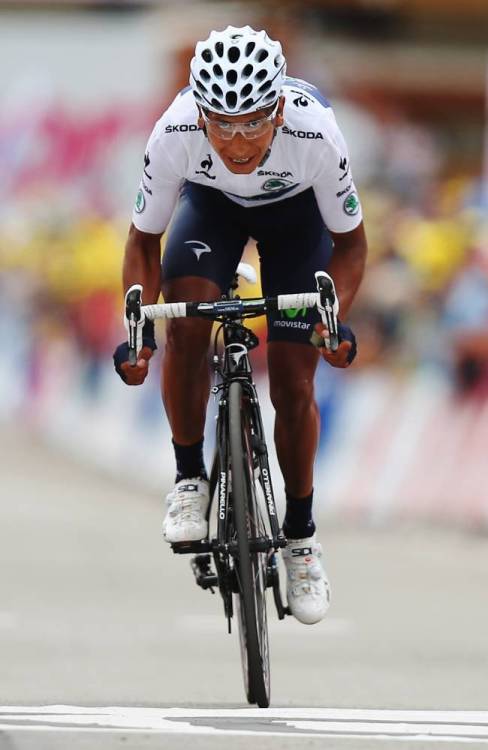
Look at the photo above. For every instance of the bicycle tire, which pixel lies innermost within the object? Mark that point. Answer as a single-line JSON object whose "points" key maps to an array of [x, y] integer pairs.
{"points": [[250, 566]]}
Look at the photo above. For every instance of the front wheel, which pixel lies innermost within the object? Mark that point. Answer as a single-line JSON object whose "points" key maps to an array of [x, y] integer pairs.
{"points": [[250, 567]]}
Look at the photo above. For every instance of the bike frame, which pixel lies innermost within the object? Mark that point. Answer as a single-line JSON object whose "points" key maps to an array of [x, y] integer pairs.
{"points": [[236, 365]]}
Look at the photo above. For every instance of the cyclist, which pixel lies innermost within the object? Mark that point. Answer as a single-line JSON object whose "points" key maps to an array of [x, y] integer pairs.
{"points": [[246, 151]]}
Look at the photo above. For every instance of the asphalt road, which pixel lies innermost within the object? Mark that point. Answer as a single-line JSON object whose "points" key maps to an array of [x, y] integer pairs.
{"points": [[95, 611]]}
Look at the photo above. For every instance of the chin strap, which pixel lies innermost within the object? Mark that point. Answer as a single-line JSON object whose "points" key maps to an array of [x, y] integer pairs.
{"points": [[268, 152], [265, 157]]}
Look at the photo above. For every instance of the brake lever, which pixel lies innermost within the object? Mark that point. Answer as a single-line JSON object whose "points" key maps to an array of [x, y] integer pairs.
{"points": [[329, 311], [134, 321]]}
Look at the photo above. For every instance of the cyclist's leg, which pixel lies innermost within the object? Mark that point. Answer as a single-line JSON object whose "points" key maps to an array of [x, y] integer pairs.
{"points": [[185, 374], [297, 424], [293, 244], [202, 251]]}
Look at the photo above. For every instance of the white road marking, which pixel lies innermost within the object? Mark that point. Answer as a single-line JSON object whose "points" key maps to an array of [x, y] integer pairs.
{"points": [[435, 726]]}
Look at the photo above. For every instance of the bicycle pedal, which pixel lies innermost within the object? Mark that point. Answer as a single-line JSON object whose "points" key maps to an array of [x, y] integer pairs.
{"points": [[202, 570], [185, 548]]}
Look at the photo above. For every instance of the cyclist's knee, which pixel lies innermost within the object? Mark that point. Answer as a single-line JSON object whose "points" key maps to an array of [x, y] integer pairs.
{"points": [[291, 397], [188, 337], [291, 377]]}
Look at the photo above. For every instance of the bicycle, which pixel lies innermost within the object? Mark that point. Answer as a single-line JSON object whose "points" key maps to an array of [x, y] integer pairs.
{"points": [[248, 534]]}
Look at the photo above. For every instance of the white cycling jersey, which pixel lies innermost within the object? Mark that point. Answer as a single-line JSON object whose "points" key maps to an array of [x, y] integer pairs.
{"points": [[308, 151]]}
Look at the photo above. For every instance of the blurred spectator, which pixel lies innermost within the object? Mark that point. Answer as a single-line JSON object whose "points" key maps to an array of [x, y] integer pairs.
{"points": [[466, 321]]}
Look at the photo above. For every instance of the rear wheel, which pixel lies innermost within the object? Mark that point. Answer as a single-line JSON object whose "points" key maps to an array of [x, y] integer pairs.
{"points": [[250, 566]]}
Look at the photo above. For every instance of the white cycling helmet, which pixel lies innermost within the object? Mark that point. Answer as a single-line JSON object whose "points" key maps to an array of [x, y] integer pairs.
{"points": [[237, 71]]}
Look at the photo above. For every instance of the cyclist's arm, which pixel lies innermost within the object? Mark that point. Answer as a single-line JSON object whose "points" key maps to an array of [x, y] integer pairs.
{"points": [[347, 270], [347, 265], [141, 266], [340, 207], [142, 263]]}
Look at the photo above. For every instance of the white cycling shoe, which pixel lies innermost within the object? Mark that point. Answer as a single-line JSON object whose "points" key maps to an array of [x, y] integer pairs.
{"points": [[185, 519], [307, 585]]}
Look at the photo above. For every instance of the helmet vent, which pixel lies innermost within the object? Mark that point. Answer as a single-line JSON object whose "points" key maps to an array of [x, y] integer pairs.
{"points": [[219, 49], [234, 54], [246, 90], [215, 103], [217, 90], [205, 75], [231, 77], [201, 87], [207, 55], [218, 71], [261, 74], [247, 70], [265, 87], [231, 99], [278, 60], [248, 103], [271, 96], [261, 55], [250, 48]]}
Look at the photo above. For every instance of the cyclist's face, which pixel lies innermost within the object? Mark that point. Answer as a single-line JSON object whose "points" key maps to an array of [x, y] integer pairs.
{"points": [[242, 155]]}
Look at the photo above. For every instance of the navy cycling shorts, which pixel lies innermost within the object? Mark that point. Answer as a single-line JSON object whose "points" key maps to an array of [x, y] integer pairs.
{"points": [[208, 234]]}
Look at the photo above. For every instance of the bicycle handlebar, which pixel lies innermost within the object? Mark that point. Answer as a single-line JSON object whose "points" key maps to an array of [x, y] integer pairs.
{"points": [[325, 300], [236, 307]]}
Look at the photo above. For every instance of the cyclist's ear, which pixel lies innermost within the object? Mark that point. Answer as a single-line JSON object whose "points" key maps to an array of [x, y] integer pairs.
{"points": [[201, 121], [279, 119]]}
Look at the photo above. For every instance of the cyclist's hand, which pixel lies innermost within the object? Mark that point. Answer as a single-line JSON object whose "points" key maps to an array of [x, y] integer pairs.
{"points": [[132, 374], [347, 350], [136, 374]]}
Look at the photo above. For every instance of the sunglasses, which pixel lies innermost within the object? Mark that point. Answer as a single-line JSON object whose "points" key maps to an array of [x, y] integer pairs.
{"points": [[227, 130]]}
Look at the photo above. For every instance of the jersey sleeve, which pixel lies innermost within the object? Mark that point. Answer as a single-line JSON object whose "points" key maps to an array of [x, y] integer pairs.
{"points": [[158, 188], [334, 187]]}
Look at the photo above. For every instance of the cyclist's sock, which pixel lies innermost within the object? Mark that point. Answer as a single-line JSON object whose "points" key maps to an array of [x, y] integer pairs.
{"points": [[298, 523], [189, 461]]}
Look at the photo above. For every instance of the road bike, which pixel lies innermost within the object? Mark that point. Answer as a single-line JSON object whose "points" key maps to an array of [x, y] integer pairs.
{"points": [[239, 555]]}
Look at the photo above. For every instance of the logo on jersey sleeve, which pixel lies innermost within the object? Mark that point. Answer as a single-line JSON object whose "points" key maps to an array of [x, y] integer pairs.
{"points": [[301, 100], [276, 183], [346, 190], [344, 167], [145, 173], [351, 204], [206, 166], [140, 203], [147, 162]]}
